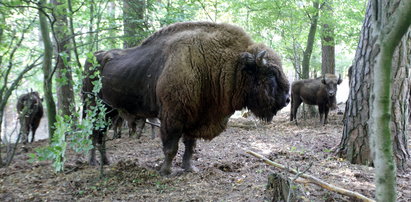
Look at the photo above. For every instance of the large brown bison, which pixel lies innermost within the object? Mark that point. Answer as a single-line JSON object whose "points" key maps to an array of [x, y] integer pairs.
{"points": [[193, 76], [320, 92], [30, 112]]}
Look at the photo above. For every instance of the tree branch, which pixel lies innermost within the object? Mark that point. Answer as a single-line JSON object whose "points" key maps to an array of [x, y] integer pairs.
{"points": [[313, 180]]}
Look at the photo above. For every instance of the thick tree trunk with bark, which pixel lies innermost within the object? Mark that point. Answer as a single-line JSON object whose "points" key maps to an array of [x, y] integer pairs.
{"points": [[354, 144], [134, 25], [47, 83], [391, 21], [401, 61], [2, 21], [65, 95]]}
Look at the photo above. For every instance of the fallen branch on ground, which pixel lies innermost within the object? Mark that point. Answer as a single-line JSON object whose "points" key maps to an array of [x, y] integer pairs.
{"points": [[313, 180]]}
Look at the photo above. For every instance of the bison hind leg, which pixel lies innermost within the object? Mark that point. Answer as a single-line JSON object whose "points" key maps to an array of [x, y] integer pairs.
{"points": [[170, 138], [190, 144]]}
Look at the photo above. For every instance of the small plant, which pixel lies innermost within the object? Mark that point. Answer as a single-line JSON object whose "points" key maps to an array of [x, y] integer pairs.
{"points": [[57, 149]]}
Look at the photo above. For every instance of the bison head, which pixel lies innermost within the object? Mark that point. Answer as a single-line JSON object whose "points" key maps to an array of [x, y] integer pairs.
{"points": [[331, 81], [268, 90]]}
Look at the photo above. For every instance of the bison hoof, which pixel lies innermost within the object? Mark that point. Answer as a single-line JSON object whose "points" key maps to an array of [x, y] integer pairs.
{"points": [[192, 169], [165, 171], [106, 162], [93, 163]]}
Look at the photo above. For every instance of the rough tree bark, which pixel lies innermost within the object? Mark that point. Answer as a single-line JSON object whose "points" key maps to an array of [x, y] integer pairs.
{"points": [[2, 21], [354, 144], [65, 95], [391, 20], [327, 39], [47, 83], [133, 19]]}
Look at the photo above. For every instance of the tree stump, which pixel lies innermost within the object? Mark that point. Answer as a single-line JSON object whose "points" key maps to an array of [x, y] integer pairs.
{"points": [[280, 188]]}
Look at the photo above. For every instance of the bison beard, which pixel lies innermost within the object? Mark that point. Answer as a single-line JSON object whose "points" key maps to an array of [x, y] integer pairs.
{"points": [[193, 76]]}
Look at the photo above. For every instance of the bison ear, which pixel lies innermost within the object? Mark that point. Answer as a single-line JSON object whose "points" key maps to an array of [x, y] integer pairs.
{"points": [[247, 62], [339, 79], [261, 61]]}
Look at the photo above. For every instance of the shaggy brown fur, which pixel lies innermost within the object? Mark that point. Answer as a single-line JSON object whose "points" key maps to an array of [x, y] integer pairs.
{"points": [[193, 76], [320, 92], [30, 112]]}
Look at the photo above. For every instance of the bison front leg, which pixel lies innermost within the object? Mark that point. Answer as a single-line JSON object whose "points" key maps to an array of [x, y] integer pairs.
{"points": [[98, 142], [170, 138], [326, 110], [295, 103], [92, 156], [153, 132], [140, 123], [102, 150], [321, 110], [32, 136], [190, 144]]}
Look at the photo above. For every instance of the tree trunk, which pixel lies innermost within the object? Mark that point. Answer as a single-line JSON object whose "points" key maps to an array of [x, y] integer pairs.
{"points": [[47, 83], [354, 143], [310, 42], [391, 19], [133, 19], [65, 95], [112, 16], [327, 40]]}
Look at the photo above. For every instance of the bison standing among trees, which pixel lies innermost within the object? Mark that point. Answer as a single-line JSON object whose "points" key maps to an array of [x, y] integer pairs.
{"points": [[30, 112], [193, 76], [320, 92]]}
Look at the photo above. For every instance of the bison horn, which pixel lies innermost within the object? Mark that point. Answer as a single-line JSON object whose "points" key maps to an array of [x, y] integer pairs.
{"points": [[339, 79], [260, 58]]}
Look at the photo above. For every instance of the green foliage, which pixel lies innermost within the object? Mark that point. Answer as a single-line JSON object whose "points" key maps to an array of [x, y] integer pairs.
{"points": [[57, 149], [80, 140], [77, 134]]}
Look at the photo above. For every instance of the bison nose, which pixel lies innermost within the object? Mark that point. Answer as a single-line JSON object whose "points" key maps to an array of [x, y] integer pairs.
{"points": [[287, 99]]}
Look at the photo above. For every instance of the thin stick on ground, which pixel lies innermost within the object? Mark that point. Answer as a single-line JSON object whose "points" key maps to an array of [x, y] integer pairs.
{"points": [[313, 180]]}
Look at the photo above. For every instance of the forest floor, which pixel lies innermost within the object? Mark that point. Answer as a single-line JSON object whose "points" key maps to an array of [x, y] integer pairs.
{"points": [[226, 172]]}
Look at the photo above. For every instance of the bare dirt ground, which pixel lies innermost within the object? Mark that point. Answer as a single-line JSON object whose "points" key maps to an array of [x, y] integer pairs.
{"points": [[226, 172]]}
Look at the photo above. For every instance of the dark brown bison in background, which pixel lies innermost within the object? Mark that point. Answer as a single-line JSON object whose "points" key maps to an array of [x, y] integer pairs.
{"points": [[320, 92], [30, 111], [193, 76]]}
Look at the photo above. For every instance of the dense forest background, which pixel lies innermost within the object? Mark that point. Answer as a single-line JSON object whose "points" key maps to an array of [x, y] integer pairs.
{"points": [[88, 26], [44, 45]]}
